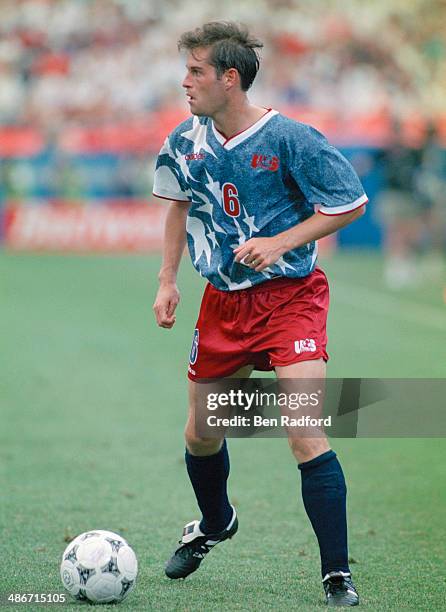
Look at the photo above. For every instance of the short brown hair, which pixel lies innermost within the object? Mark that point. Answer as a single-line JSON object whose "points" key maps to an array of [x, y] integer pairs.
{"points": [[231, 45]]}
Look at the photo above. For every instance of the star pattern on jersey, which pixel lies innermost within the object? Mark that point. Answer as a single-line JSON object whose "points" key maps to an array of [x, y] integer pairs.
{"points": [[184, 168], [167, 149], [267, 273], [249, 220], [241, 235], [208, 208], [196, 228], [283, 265], [212, 237], [197, 135], [213, 187], [315, 253], [232, 285]]}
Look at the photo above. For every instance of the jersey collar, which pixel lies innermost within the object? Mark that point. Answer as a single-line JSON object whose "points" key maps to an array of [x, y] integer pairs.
{"points": [[233, 141]]}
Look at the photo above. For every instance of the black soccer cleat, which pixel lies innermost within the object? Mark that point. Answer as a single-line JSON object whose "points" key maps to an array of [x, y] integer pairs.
{"points": [[340, 590], [195, 545]]}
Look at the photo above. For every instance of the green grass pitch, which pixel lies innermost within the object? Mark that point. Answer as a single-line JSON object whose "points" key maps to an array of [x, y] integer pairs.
{"points": [[92, 412]]}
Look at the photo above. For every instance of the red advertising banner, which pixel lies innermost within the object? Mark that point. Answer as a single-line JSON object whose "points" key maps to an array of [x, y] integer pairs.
{"points": [[115, 227]]}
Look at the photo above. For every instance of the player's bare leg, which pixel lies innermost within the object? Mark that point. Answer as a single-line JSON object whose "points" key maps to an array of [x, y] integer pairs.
{"points": [[196, 444], [306, 447], [207, 464], [324, 495]]}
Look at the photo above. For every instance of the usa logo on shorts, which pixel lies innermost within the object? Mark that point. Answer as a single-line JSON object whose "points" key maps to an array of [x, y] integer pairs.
{"points": [[302, 346], [194, 350]]}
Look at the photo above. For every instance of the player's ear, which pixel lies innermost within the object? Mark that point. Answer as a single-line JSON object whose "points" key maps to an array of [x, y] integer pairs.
{"points": [[231, 78]]}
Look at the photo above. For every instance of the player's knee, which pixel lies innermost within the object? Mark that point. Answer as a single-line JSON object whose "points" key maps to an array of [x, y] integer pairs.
{"points": [[306, 448], [197, 445], [203, 446]]}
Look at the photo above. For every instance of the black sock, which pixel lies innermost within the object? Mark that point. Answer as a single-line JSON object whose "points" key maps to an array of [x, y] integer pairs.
{"points": [[324, 495], [208, 476]]}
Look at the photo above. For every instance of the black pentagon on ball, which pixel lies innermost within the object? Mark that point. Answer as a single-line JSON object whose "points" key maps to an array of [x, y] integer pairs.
{"points": [[81, 596], [126, 586], [111, 567], [115, 544], [71, 555], [84, 574]]}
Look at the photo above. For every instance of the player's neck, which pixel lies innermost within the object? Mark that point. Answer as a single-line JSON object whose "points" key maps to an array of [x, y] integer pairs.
{"points": [[237, 117]]}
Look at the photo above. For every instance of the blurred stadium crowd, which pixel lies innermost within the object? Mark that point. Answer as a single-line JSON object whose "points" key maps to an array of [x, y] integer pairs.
{"points": [[90, 88], [96, 60]]}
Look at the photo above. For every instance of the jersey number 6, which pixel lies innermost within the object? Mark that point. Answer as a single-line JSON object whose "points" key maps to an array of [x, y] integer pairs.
{"points": [[231, 203]]}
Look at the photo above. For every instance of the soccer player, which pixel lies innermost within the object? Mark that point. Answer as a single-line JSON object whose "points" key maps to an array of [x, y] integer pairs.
{"points": [[243, 182]]}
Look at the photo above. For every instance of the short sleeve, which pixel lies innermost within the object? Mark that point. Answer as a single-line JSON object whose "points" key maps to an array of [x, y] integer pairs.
{"points": [[326, 178], [168, 181]]}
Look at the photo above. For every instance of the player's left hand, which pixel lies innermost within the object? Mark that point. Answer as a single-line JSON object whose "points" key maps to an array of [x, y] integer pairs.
{"points": [[259, 253]]}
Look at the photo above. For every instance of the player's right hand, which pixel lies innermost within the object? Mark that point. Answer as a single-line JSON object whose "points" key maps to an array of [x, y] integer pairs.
{"points": [[165, 304]]}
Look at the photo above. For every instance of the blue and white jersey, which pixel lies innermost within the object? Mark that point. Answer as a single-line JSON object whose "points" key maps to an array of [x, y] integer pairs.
{"points": [[260, 182]]}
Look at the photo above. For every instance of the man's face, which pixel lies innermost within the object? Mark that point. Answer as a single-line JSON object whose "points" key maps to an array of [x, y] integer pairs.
{"points": [[206, 93]]}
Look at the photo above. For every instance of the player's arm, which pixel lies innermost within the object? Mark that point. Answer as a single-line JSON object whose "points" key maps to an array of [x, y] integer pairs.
{"points": [[168, 295], [259, 253]]}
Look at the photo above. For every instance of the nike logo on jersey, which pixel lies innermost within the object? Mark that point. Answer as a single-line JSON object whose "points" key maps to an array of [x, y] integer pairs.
{"points": [[266, 162]]}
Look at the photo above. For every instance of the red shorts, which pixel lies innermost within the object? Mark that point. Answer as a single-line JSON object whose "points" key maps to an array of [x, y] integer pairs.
{"points": [[277, 323]]}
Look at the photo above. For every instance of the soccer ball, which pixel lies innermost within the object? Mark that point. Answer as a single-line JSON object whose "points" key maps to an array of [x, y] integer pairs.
{"points": [[99, 567]]}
